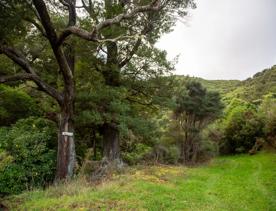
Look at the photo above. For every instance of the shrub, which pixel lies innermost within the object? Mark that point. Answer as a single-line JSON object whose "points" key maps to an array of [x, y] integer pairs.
{"points": [[242, 127], [15, 104], [137, 155], [208, 149], [213, 140], [268, 113], [172, 155], [28, 155]]}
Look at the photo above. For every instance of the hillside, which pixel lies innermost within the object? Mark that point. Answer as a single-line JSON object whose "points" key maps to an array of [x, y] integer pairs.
{"points": [[228, 183], [222, 86], [259, 85], [251, 89]]}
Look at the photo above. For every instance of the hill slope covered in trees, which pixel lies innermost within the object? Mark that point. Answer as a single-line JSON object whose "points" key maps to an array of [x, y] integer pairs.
{"points": [[255, 88], [251, 89]]}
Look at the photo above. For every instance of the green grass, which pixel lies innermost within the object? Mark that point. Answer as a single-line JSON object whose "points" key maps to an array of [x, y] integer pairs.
{"points": [[228, 183]]}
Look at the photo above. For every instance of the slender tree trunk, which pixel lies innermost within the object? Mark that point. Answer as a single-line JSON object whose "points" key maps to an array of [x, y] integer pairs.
{"points": [[111, 142], [94, 144], [182, 151], [195, 152]]}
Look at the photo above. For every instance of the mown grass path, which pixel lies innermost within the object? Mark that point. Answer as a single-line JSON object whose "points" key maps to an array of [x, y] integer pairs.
{"points": [[235, 183]]}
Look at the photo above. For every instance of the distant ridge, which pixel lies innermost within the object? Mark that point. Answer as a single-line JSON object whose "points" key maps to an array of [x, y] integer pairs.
{"points": [[251, 89]]}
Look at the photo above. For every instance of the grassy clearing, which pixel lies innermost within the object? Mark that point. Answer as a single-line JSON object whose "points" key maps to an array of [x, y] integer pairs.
{"points": [[227, 183]]}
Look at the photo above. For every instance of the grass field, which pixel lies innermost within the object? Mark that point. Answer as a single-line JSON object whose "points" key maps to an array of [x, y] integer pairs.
{"points": [[228, 183]]}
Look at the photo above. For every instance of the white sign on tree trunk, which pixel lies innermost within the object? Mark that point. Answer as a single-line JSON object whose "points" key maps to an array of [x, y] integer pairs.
{"points": [[67, 133]]}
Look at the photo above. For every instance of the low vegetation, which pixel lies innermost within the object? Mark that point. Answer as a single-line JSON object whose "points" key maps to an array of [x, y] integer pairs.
{"points": [[240, 182]]}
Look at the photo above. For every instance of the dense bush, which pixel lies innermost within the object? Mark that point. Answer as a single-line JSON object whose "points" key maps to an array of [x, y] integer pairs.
{"points": [[268, 114], [15, 104], [242, 127], [172, 155], [208, 149], [27, 155], [137, 155]]}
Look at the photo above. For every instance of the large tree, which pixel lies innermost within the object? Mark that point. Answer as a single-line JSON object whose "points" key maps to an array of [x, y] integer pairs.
{"points": [[41, 23]]}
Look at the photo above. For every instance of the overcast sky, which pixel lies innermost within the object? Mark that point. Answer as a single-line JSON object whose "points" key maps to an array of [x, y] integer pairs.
{"points": [[224, 39]]}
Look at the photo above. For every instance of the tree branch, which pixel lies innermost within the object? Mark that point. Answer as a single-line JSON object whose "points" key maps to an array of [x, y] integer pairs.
{"points": [[53, 39], [17, 57], [72, 12], [46, 21], [17, 77], [30, 74], [36, 25], [131, 53], [155, 5]]}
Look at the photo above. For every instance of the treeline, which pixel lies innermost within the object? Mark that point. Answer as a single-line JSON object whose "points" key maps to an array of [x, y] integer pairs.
{"points": [[186, 124], [254, 88], [167, 128], [248, 119]]}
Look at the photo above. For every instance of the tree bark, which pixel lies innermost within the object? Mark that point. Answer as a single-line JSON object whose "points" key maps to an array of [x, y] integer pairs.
{"points": [[66, 157], [111, 142]]}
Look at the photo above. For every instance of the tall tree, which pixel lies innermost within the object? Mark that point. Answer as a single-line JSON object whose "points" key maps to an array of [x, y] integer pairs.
{"points": [[43, 20], [133, 60], [195, 108]]}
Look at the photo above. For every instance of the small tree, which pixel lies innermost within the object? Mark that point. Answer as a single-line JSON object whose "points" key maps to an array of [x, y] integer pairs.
{"points": [[195, 109], [27, 155]]}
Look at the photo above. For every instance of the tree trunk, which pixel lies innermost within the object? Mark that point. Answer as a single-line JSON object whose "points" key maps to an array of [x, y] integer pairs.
{"points": [[111, 143], [66, 156], [195, 152], [183, 148]]}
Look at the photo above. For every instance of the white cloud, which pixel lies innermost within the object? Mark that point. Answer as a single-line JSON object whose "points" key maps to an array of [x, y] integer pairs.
{"points": [[225, 39]]}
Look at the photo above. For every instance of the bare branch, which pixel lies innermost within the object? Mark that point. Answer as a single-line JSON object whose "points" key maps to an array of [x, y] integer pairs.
{"points": [[92, 36]]}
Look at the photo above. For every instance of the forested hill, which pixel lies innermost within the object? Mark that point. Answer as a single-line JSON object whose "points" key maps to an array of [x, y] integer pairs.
{"points": [[254, 88], [251, 89]]}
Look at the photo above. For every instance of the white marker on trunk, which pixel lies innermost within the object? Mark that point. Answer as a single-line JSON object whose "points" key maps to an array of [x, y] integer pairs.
{"points": [[67, 134]]}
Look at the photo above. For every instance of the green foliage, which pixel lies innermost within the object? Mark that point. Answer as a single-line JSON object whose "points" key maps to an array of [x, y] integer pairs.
{"points": [[15, 104], [267, 111], [251, 89], [195, 109], [221, 86], [255, 88], [5, 159], [137, 155], [208, 149], [27, 155], [172, 155], [11, 12], [198, 102], [242, 126]]}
